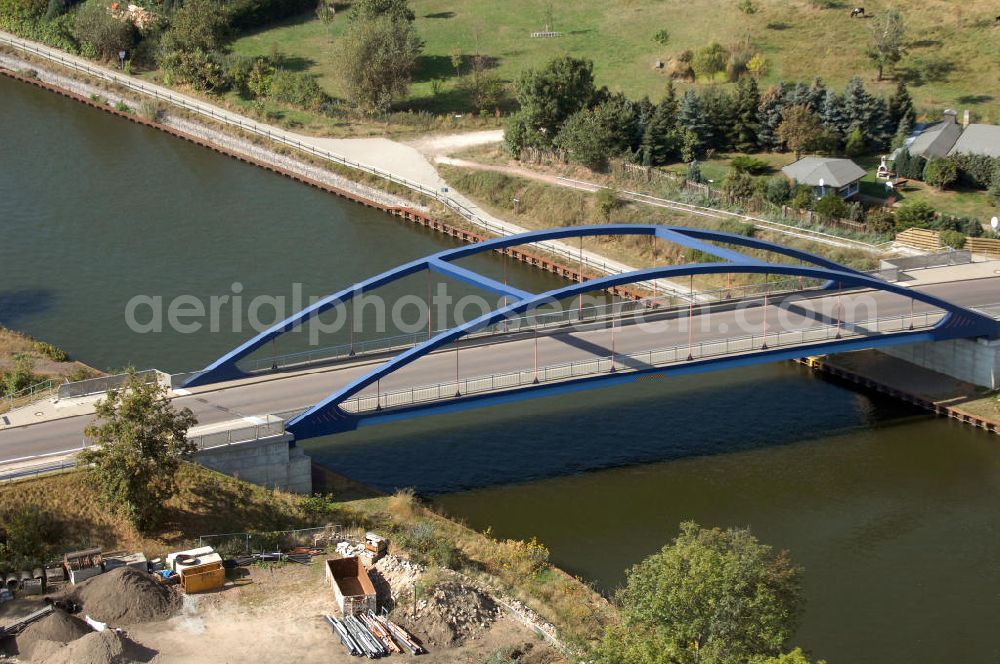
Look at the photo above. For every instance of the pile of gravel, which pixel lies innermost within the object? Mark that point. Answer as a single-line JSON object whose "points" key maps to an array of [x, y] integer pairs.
{"points": [[450, 614]]}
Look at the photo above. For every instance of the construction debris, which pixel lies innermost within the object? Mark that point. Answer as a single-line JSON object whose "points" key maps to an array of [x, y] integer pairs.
{"points": [[372, 636]]}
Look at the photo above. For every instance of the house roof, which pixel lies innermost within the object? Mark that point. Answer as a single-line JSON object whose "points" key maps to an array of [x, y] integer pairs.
{"points": [[833, 172], [936, 140], [981, 139]]}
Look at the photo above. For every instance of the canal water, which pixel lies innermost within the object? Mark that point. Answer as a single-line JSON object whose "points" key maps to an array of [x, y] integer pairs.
{"points": [[891, 512]]}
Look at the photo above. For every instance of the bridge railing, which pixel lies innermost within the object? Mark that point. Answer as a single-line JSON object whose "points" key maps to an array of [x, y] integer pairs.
{"points": [[273, 426], [627, 362], [29, 395], [526, 323]]}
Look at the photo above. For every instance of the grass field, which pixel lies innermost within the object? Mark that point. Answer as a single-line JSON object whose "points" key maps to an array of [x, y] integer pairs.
{"points": [[959, 41]]}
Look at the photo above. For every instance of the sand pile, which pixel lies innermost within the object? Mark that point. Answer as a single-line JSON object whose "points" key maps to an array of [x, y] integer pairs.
{"points": [[126, 596], [450, 615], [58, 626], [107, 647]]}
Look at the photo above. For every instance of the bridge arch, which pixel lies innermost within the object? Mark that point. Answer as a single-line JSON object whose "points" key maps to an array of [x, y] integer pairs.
{"points": [[327, 416], [225, 367]]}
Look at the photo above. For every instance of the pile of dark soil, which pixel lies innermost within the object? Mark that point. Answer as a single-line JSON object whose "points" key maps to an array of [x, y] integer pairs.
{"points": [[126, 596], [107, 647], [58, 626]]}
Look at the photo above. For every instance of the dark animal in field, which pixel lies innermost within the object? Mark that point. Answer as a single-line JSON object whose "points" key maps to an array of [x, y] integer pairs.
{"points": [[998, 19], [858, 11]]}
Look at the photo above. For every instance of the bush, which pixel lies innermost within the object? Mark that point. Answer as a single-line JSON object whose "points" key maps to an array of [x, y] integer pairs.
{"points": [[107, 35], [803, 197], [298, 89], [607, 201], [831, 207], [940, 172], [737, 186], [749, 164], [48, 350], [952, 239], [880, 221], [915, 215], [779, 190], [736, 227], [977, 170]]}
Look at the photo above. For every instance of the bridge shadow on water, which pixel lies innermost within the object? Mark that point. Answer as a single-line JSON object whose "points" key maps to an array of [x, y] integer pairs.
{"points": [[646, 422]]}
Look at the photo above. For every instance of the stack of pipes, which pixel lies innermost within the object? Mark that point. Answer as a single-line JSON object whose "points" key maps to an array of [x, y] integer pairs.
{"points": [[399, 634]]}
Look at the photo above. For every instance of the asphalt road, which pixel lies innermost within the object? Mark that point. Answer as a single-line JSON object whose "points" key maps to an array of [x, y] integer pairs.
{"points": [[282, 392]]}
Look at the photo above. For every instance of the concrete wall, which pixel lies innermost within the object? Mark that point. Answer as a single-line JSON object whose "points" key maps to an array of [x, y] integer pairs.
{"points": [[974, 361], [270, 462]]}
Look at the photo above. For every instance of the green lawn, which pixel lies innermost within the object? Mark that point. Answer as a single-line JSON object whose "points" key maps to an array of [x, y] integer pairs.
{"points": [[799, 41]]}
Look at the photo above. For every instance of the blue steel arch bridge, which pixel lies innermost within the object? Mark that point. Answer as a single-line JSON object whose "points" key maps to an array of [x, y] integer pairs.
{"points": [[907, 316]]}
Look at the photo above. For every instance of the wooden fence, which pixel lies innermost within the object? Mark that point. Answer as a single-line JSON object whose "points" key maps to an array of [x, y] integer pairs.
{"points": [[920, 238], [983, 245]]}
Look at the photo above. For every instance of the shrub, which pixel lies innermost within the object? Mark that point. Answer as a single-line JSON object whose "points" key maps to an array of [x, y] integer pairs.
{"points": [[152, 110], [607, 201], [803, 198], [952, 239], [940, 173], [736, 227], [779, 190], [48, 350], [694, 172], [880, 221], [831, 207], [517, 557], [661, 37], [737, 185], [915, 215], [749, 164], [122, 107], [994, 190], [298, 89]]}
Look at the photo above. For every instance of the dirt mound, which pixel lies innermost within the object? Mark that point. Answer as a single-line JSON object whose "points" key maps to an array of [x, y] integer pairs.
{"points": [[393, 577], [107, 647], [58, 626], [126, 596], [450, 615]]}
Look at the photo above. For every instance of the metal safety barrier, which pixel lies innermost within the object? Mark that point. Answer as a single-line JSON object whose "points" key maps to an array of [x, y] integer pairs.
{"points": [[626, 362]]}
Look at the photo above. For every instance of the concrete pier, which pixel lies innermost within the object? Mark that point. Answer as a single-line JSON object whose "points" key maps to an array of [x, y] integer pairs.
{"points": [[975, 361], [271, 462]]}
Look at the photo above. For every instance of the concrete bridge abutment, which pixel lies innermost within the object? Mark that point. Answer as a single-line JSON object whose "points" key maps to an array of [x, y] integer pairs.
{"points": [[975, 361], [272, 462]]}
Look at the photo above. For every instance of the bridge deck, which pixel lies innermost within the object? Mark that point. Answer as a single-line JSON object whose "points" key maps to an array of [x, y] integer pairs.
{"points": [[282, 392]]}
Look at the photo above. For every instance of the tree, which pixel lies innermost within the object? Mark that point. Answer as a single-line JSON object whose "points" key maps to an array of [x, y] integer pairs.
{"points": [[709, 61], [994, 190], [139, 442], [550, 95], [370, 9], [376, 57], [799, 129], [860, 107], [586, 138], [747, 103], [901, 106], [855, 146], [794, 657], [940, 172], [661, 140], [199, 25], [709, 596], [692, 121], [108, 35], [772, 104], [887, 46]]}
